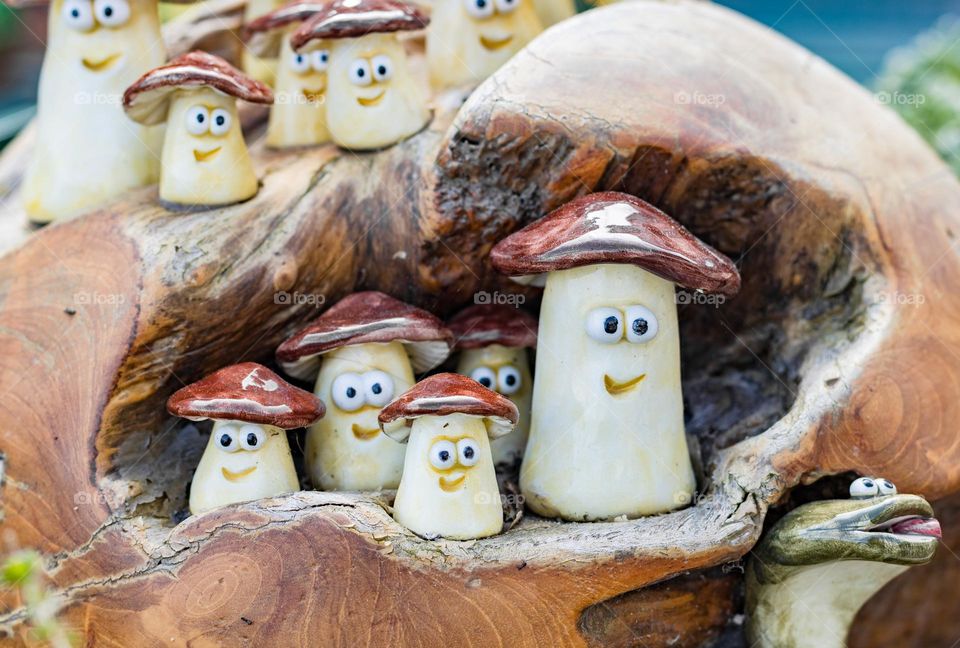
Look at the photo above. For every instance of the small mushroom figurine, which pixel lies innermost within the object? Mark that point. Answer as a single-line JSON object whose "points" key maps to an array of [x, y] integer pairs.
{"points": [[449, 486], [606, 432], [493, 340], [299, 114], [248, 456], [373, 99], [468, 40], [262, 66], [371, 345], [205, 158]]}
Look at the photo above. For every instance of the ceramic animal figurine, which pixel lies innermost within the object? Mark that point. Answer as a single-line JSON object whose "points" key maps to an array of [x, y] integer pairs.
{"points": [[260, 65], [493, 340], [86, 151], [449, 486], [606, 430], [373, 99], [468, 40], [205, 158], [371, 345], [818, 565], [298, 116], [248, 456]]}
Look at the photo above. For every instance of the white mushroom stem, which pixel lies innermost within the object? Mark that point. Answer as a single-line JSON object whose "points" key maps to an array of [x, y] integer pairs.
{"points": [[86, 150], [298, 116], [345, 450], [603, 441], [207, 169], [508, 449], [224, 477], [461, 502], [261, 68]]}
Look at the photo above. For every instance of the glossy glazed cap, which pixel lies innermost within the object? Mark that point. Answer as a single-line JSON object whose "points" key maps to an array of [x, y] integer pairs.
{"points": [[612, 227], [355, 18], [484, 324]]}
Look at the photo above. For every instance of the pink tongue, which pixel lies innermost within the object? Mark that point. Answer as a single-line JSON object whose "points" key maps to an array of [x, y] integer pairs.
{"points": [[918, 526]]}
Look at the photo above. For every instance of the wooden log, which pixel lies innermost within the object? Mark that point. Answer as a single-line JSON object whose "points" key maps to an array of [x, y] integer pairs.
{"points": [[832, 206]]}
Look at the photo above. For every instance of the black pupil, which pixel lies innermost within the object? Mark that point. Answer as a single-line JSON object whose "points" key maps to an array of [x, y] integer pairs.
{"points": [[444, 455], [481, 3], [351, 392], [468, 452], [225, 440], [361, 73], [382, 70], [220, 119], [376, 389], [300, 59], [200, 118], [610, 325], [75, 13], [108, 12], [486, 382], [511, 380], [251, 439], [868, 484], [640, 326]]}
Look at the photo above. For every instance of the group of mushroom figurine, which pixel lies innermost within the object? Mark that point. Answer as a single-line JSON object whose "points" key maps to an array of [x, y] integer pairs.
{"points": [[599, 435]]}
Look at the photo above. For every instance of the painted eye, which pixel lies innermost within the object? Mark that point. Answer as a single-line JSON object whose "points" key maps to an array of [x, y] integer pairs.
{"points": [[359, 73], [220, 121], [468, 452], [641, 323], [348, 392], [506, 6], [479, 8], [605, 325], [443, 454], [227, 439], [198, 120], [299, 63], [508, 380], [864, 487], [886, 486], [485, 376], [319, 60], [382, 68], [78, 14], [378, 388], [111, 13], [252, 437]]}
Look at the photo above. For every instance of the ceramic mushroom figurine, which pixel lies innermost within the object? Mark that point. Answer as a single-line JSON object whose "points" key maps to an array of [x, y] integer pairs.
{"points": [[205, 158], [550, 12], [606, 431], [371, 346], [248, 456], [468, 40], [373, 100], [260, 65], [449, 486], [299, 114], [493, 340], [86, 151]]}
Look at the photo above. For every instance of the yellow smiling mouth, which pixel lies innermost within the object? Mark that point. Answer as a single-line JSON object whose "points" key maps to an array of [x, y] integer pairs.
{"points": [[494, 44], [313, 95], [614, 387], [364, 434], [372, 101], [203, 156], [450, 485], [101, 65], [235, 476]]}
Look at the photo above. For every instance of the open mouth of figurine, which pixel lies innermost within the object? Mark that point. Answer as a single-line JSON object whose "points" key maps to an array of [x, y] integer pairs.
{"points": [[910, 525], [236, 476], [372, 101], [364, 434], [203, 156], [451, 485], [615, 387], [493, 44], [102, 64], [314, 95]]}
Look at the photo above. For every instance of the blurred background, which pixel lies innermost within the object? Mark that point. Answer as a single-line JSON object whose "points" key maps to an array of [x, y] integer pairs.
{"points": [[906, 52]]}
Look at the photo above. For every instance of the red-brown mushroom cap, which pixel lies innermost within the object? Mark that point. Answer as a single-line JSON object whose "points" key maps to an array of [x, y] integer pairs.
{"points": [[247, 392], [263, 35], [355, 18], [363, 318], [612, 227], [444, 394], [148, 98], [484, 324]]}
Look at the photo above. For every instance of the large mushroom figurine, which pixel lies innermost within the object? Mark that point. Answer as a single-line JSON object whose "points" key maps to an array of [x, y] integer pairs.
{"points": [[493, 340], [247, 456], [373, 99], [606, 432], [449, 486], [205, 158], [371, 345], [468, 40], [298, 116]]}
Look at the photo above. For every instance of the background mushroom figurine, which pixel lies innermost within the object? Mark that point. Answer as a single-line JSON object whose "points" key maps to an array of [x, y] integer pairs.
{"points": [[550, 12], [373, 99], [468, 40], [607, 433], [86, 152], [248, 456], [449, 486], [260, 65], [298, 117], [371, 345], [205, 158], [493, 340]]}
